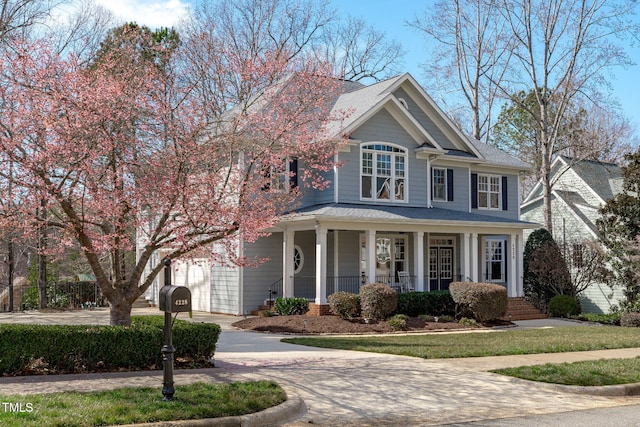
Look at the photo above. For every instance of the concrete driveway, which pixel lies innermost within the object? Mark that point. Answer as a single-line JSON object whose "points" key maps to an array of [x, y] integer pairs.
{"points": [[348, 388]]}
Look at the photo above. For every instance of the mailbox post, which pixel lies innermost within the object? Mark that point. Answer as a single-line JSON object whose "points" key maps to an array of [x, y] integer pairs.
{"points": [[172, 299]]}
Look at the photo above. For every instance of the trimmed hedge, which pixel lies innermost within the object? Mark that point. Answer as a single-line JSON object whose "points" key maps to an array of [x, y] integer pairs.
{"points": [[630, 320], [291, 306], [563, 306], [26, 349], [345, 305], [436, 303], [486, 301], [378, 301]]}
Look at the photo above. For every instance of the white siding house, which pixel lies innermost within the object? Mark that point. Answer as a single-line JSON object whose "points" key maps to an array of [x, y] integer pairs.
{"points": [[580, 189]]}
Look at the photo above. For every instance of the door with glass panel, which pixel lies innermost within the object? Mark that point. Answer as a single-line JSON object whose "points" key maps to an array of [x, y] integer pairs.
{"points": [[391, 258], [440, 268]]}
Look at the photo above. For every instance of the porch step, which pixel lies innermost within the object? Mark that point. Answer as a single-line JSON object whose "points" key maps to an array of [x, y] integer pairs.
{"points": [[520, 309], [262, 308]]}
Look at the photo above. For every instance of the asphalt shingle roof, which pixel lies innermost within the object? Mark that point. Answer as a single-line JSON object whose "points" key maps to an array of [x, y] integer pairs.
{"points": [[360, 212], [604, 178]]}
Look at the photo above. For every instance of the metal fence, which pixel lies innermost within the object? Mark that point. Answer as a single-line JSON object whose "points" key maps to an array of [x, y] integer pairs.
{"points": [[63, 295]]}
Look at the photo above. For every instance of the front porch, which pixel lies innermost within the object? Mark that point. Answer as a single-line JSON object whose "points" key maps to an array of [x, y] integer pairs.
{"points": [[330, 258]]}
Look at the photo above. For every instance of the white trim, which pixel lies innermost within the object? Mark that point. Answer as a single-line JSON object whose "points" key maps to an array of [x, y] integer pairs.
{"points": [[503, 258], [433, 170], [402, 153], [418, 256], [299, 269], [287, 264], [489, 192], [321, 265]]}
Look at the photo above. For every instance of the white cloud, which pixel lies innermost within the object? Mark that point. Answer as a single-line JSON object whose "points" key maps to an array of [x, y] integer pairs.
{"points": [[144, 12]]}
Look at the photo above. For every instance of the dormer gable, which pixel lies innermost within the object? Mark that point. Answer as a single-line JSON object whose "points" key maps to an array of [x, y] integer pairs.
{"points": [[433, 132]]}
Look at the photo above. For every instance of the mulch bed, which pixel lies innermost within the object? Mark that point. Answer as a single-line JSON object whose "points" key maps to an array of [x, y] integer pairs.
{"points": [[335, 325]]}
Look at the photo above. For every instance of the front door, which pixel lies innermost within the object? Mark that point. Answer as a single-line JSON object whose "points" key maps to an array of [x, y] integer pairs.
{"points": [[440, 268]]}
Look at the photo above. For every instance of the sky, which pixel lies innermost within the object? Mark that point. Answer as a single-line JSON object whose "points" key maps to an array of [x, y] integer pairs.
{"points": [[387, 16]]}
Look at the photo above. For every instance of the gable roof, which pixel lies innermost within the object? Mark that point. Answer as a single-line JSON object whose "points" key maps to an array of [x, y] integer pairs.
{"points": [[603, 180], [363, 102]]}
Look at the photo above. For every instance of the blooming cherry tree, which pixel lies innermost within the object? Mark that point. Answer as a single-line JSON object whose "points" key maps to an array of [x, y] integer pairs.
{"points": [[126, 151]]}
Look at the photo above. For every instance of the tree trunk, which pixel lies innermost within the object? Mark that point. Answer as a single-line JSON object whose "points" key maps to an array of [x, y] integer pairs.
{"points": [[120, 311], [42, 263]]}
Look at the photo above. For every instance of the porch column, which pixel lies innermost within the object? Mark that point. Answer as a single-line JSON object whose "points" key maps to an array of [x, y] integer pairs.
{"points": [[519, 263], [418, 257], [287, 263], [321, 265], [474, 257], [371, 256], [427, 262], [465, 271], [512, 289]]}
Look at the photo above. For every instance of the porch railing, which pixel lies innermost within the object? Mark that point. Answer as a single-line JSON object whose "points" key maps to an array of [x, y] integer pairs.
{"points": [[305, 286]]}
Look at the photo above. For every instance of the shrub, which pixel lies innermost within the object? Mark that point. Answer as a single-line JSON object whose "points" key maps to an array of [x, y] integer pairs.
{"points": [[468, 322], [563, 306], [545, 271], [345, 305], [445, 319], [485, 301], [377, 301], [605, 319], [291, 306], [427, 318], [82, 348], [416, 303], [631, 320], [398, 322]]}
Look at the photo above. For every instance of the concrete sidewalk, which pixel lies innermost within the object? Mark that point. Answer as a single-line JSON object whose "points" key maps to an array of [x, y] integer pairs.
{"points": [[348, 387]]}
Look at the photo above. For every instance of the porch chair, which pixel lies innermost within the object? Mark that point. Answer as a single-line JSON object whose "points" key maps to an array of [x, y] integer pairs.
{"points": [[405, 281]]}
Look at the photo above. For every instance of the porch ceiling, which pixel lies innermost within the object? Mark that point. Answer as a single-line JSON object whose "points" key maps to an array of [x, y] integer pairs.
{"points": [[346, 212]]}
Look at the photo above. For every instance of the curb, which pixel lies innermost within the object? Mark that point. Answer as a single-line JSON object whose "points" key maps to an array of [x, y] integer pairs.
{"points": [[632, 389], [294, 407]]}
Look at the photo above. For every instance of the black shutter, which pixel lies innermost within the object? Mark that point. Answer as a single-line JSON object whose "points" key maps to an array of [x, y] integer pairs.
{"points": [[450, 185], [293, 169], [474, 191], [267, 175], [505, 196]]}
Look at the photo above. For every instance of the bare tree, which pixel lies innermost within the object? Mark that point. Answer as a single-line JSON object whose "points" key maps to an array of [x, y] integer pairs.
{"points": [[474, 50], [559, 50], [359, 51], [586, 261], [18, 17], [563, 48], [293, 28], [603, 134]]}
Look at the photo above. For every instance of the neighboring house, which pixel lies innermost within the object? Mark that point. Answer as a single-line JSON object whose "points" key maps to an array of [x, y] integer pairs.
{"points": [[580, 189], [416, 204]]}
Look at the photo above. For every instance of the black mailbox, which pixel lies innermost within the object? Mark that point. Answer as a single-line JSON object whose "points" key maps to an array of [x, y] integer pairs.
{"points": [[175, 299]]}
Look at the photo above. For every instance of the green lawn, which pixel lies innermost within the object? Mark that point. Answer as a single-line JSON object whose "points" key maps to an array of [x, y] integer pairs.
{"points": [[588, 373], [138, 405], [501, 343], [478, 344]]}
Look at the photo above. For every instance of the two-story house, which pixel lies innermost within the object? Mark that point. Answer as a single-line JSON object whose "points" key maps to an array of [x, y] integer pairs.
{"points": [[416, 204], [580, 189]]}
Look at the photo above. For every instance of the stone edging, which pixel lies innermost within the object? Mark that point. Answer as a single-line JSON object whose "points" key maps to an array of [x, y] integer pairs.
{"points": [[294, 407], [607, 390]]}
